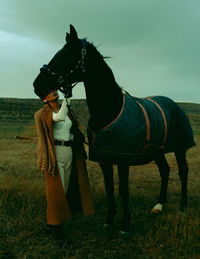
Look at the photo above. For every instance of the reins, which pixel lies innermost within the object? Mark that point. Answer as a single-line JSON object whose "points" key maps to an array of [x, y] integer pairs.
{"points": [[74, 118]]}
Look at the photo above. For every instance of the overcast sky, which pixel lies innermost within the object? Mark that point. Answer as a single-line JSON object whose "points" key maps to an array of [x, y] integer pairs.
{"points": [[154, 44]]}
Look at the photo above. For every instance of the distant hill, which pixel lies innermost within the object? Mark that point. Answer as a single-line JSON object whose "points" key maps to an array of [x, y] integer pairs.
{"points": [[193, 108], [18, 113], [17, 116]]}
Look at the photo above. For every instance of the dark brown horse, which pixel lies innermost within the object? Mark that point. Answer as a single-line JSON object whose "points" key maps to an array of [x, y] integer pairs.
{"points": [[122, 130]]}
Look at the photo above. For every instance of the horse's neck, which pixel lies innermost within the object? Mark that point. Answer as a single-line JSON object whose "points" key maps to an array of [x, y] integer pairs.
{"points": [[104, 97]]}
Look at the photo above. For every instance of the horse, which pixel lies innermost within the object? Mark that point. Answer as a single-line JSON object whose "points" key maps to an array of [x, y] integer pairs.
{"points": [[122, 130]]}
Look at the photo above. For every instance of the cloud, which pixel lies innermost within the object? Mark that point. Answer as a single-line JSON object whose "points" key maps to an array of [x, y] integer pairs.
{"points": [[21, 58], [154, 44]]}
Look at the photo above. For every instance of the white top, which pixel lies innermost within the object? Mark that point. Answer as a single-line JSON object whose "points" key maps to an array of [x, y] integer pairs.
{"points": [[62, 123]]}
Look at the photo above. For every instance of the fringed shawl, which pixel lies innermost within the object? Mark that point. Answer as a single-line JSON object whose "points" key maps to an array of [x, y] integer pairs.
{"points": [[46, 149]]}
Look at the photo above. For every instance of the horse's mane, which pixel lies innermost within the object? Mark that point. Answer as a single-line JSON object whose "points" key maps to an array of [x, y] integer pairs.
{"points": [[93, 49], [93, 52]]}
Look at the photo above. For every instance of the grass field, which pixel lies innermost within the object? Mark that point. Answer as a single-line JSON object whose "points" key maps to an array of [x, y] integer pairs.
{"points": [[172, 234]]}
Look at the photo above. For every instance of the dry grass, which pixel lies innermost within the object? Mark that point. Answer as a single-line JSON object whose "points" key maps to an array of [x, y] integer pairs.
{"points": [[22, 212]]}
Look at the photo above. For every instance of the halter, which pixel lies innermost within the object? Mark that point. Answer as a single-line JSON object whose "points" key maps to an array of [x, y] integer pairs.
{"points": [[62, 81]]}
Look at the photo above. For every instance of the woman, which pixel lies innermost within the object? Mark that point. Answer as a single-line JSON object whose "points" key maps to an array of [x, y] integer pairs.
{"points": [[61, 156]]}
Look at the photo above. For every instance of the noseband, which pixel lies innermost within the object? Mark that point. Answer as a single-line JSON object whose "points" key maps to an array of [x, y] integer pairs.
{"points": [[63, 81]]}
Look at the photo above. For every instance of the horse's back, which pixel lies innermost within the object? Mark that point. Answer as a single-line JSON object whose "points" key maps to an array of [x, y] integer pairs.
{"points": [[167, 117], [143, 128]]}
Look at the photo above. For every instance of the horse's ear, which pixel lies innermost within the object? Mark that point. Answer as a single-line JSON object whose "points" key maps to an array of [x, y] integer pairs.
{"points": [[67, 37], [73, 33]]}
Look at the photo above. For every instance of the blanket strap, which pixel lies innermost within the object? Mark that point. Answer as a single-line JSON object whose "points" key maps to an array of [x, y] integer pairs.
{"points": [[164, 120], [148, 135]]}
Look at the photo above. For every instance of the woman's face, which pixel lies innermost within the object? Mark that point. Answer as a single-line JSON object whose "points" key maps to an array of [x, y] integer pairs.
{"points": [[52, 97]]}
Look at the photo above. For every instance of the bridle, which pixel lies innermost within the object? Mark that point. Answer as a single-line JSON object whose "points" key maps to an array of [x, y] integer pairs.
{"points": [[62, 81]]}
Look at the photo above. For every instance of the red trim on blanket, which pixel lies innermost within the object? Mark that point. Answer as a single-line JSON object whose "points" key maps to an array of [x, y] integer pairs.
{"points": [[147, 121], [148, 137], [94, 132], [164, 120], [117, 115]]}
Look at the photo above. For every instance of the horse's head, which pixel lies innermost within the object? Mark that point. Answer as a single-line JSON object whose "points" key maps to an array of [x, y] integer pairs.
{"points": [[66, 67]]}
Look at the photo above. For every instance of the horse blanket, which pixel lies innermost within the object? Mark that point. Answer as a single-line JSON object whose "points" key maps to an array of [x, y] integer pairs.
{"points": [[144, 128]]}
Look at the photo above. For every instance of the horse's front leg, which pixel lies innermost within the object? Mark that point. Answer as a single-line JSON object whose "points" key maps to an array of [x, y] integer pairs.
{"points": [[123, 172], [107, 171]]}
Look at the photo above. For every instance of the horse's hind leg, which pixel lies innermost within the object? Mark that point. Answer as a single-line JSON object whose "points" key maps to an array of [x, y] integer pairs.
{"points": [[123, 172], [107, 171], [183, 173], [164, 173]]}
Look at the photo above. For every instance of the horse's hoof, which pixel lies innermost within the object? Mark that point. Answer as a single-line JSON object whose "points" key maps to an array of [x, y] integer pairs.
{"points": [[124, 230], [183, 207], [108, 227], [181, 214], [124, 233], [157, 209], [182, 210]]}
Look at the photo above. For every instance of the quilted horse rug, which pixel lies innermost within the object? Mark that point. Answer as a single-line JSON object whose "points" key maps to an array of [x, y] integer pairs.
{"points": [[143, 128]]}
